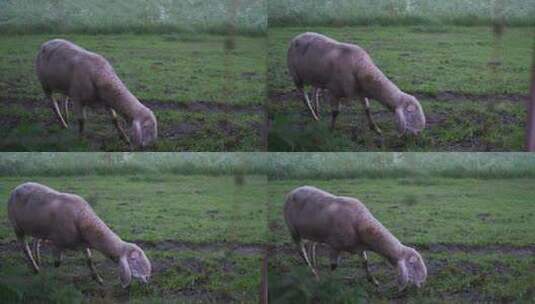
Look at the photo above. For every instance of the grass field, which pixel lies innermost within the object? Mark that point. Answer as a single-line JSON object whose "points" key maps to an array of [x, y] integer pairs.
{"points": [[139, 16], [400, 12], [204, 236], [470, 82], [206, 97], [474, 235]]}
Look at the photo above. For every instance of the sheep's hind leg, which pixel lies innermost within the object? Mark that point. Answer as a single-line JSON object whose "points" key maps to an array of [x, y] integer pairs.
{"points": [[36, 252], [91, 266], [117, 125], [66, 108], [366, 267], [313, 254], [308, 103], [28, 254], [55, 108], [307, 260], [316, 95], [371, 123]]}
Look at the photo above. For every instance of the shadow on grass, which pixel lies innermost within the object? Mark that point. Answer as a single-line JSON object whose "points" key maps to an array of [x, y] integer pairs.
{"points": [[42, 288], [286, 135], [32, 137], [299, 286]]}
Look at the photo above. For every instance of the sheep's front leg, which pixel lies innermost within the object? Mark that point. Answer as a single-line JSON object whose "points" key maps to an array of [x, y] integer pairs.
{"points": [[371, 123], [36, 253], [81, 114], [91, 266], [334, 258], [55, 108], [335, 108], [366, 267], [58, 256], [116, 123], [28, 254]]}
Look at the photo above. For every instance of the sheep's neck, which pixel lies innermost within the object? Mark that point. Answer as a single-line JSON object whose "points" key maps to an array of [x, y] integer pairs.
{"points": [[381, 240], [99, 236], [117, 95], [377, 86]]}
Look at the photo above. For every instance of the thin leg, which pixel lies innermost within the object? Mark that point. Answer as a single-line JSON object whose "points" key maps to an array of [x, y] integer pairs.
{"points": [[368, 273], [335, 107], [91, 266], [305, 256], [316, 93], [117, 124], [66, 108], [371, 123], [314, 260], [81, 114], [334, 259], [28, 254], [36, 245], [308, 103], [58, 256], [55, 108]]}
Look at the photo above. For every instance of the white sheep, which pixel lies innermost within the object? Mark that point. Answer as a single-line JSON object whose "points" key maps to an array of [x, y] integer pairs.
{"points": [[346, 71], [67, 221], [89, 80], [346, 225]]}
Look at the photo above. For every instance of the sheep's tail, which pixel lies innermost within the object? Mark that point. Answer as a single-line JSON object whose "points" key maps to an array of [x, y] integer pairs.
{"points": [[293, 232]]}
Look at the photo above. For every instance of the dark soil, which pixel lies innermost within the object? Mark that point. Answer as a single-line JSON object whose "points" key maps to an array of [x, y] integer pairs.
{"points": [[284, 97]]}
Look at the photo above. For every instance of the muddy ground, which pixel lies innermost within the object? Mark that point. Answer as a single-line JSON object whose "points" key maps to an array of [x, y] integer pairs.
{"points": [[229, 120], [489, 117]]}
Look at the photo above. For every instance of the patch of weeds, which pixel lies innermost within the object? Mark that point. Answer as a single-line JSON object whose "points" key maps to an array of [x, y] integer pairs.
{"points": [[43, 288], [410, 200], [298, 286], [92, 199]]}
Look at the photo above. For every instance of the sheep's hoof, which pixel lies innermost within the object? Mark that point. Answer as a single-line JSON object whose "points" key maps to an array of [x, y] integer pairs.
{"points": [[374, 282], [98, 279]]}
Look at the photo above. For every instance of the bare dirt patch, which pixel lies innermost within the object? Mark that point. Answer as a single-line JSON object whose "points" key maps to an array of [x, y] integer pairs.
{"points": [[238, 248], [284, 97], [527, 250]]}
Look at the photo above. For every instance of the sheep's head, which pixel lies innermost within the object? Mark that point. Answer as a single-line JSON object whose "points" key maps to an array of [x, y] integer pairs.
{"points": [[133, 263], [410, 117], [411, 268], [144, 130]]}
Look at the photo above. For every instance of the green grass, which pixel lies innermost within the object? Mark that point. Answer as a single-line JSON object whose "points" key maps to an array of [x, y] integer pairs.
{"points": [[206, 97], [469, 214], [139, 16], [468, 82], [198, 225], [278, 166], [405, 12]]}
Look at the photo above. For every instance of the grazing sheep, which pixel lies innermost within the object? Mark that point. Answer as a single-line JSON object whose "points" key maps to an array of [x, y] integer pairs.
{"points": [[345, 224], [346, 71], [67, 221], [90, 81]]}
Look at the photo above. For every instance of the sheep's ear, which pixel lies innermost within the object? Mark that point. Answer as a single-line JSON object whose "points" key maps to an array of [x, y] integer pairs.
{"points": [[124, 272], [403, 275], [137, 136], [401, 123]]}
